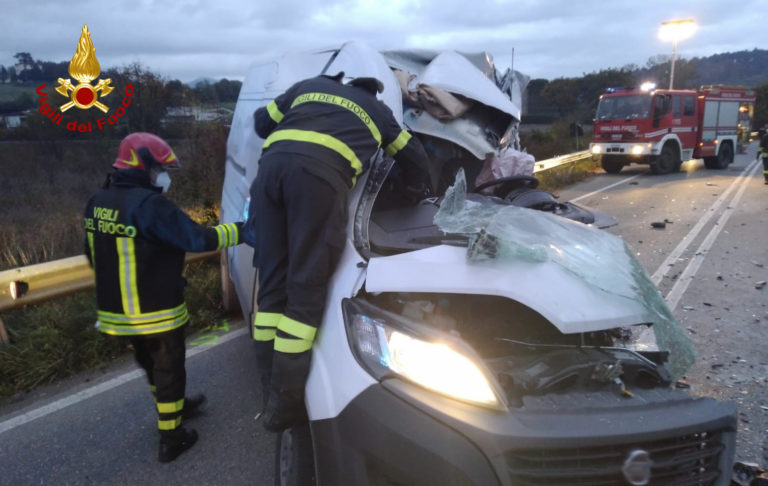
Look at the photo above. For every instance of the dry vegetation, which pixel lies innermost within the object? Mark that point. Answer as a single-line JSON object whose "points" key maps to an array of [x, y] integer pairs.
{"points": [[43, 198]]}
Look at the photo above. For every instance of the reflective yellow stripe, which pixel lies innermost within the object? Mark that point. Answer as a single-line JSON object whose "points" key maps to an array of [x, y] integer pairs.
{"points": [[297, 329], [400, 142], [321, 139], [149, 323], [264, 334], [235, 233], [274, 112], [292, 345], [218, 233], [344, 103], [90, 245], [169, 424], [265, 325], [227, 232], [267, 319], [152, 388], [127, 273], [143, 317], [170, 407]]}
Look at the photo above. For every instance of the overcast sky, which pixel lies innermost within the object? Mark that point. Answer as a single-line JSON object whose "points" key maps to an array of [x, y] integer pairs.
{"points": [[189, 39]]}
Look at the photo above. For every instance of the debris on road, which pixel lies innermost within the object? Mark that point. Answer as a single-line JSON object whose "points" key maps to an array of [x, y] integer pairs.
{"points": [[659, 224], [760, 284], [757, 264], [748, 474]]}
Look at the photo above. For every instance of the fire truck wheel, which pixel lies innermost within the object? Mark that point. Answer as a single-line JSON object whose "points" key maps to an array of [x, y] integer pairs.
{"points": [[666, 162], [611, 165], [723, 158]]}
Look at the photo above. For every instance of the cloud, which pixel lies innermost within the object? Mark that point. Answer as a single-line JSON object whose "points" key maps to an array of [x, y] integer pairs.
{"points": [[187, 39]]}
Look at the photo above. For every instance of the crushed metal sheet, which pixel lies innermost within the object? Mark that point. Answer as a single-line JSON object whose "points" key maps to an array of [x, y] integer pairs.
{"points": [[598, 258]]}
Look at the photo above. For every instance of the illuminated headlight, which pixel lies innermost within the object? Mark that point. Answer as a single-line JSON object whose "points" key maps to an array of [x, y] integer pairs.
{"points": [[596, 149], [388, 345], [637, 149]]}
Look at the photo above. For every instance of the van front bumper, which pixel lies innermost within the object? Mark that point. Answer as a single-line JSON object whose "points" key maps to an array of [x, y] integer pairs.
{"points": [[396, 433]]}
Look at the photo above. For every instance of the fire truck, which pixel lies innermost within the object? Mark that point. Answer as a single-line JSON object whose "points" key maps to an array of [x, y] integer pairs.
{"points": [[663, 127]]}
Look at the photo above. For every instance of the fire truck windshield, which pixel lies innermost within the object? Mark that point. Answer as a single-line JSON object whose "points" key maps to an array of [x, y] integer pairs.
{"points": [[624, 107]]}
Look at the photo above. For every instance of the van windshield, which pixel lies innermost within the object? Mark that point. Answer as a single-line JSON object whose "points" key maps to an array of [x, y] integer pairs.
{"points": [[624, 107], [601, 260]]}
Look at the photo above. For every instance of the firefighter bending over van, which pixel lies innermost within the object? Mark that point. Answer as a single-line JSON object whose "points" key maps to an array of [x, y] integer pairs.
{"points": [[136, 240], [319, 136]]}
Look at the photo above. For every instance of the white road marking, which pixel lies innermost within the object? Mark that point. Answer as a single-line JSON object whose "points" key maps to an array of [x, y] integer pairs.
{"points": [[668, 262], [100, 388], [623, 181], [681, 285]]}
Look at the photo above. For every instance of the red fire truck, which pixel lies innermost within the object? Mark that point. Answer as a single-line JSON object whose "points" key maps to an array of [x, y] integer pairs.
{"points": [[664, 127]]}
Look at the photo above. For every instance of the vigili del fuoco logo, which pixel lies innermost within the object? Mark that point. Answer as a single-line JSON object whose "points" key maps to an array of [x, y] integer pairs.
{"points": [[84, 68]]}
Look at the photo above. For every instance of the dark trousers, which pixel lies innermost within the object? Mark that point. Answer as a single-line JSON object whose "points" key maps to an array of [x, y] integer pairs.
{"points": [[162, 357], [765, 168], [299, 218]]}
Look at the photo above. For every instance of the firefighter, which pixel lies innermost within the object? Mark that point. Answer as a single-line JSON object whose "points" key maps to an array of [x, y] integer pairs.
{"points": [[762, 149], [136, 240], [319, 136]]}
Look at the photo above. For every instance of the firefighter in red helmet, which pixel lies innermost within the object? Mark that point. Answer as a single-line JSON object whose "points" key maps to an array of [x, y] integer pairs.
{"points": [[136, 240]]}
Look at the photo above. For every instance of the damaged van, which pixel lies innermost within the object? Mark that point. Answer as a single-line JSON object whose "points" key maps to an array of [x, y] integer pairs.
{"points": [[488, 333]]}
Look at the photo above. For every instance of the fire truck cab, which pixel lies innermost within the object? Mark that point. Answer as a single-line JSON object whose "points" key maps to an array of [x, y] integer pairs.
{"points": [[663, 128]]}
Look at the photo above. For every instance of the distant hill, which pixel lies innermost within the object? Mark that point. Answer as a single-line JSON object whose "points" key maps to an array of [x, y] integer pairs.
{"points": [[742, 68]]}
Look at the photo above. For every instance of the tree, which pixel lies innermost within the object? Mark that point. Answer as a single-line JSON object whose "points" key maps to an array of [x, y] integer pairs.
{"points": [[227, 90], [12, 74], [563, 93], [25, 60], [148, 101], [3, 74]]}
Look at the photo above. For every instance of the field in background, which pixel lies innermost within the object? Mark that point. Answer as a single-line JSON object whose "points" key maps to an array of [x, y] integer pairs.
{"points": [[43, 197]]}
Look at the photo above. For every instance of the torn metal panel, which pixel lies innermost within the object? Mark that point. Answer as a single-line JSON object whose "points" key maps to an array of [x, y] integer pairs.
{"points": [[590, 259]]}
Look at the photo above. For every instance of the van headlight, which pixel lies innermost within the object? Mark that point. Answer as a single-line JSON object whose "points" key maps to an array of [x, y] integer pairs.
{"points": [[388, 345]]}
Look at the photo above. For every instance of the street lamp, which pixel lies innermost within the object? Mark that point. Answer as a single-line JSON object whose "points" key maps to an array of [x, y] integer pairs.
{"points": [[676, 30]]}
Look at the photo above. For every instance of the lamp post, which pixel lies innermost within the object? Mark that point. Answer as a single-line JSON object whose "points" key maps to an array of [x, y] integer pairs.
{"points": [[676, 30]]}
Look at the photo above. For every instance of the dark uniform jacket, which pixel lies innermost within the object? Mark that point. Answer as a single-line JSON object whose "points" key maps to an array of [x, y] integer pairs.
{"points": [[341, 126], [136, 240]]}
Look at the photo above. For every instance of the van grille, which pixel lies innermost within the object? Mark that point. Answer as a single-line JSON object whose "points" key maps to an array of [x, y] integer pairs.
{"points": [[690, 460]]}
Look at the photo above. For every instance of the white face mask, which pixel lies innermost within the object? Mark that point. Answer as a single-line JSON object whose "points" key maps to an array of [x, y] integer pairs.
{"points": [[163, 180]]}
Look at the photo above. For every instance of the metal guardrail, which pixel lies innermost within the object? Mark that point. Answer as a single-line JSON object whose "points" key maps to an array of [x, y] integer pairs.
{"points": [[561, 160], [38, 283], [44, 281]]}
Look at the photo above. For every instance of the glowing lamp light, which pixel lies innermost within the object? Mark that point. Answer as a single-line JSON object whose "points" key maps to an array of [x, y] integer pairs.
{"points": [[675, 31], [647, 86]]}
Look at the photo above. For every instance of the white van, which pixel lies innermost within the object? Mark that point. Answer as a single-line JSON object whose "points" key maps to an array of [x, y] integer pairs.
{"points": [[476, 337]]}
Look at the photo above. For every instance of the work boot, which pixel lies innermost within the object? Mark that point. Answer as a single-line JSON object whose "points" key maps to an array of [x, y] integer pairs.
{"points": [[283, 411], [191, 406], [173, 443]]}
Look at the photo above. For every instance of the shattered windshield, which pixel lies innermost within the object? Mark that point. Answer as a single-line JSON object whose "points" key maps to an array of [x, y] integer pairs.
{"points": [[624, 107], [598, 258]]}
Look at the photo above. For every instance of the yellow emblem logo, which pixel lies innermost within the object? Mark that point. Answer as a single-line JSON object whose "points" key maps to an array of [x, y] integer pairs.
{"points": [[84, 67]]}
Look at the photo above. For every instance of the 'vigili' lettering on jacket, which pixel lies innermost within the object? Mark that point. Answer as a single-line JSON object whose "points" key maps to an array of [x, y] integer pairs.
{"points": [[105, 221]]}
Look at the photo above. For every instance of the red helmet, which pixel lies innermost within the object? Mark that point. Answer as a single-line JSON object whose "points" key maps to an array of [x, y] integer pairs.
{"points": [[143, 150]]}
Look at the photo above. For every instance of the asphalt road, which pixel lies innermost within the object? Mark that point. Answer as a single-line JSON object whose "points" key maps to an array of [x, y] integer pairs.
{"points": [[706, 261], [100, 428]]}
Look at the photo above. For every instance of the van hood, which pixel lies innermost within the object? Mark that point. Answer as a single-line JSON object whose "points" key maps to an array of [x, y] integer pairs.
{"points": [[562, 297]]}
